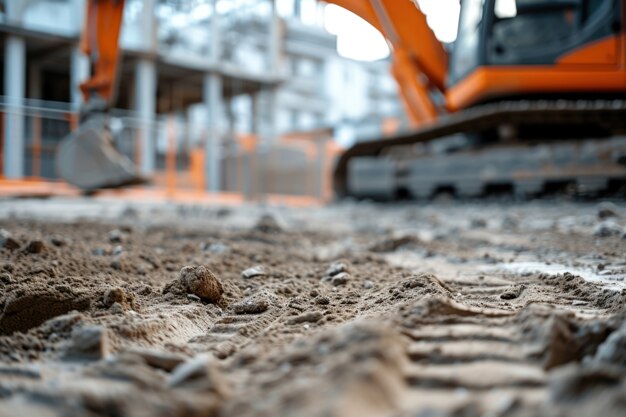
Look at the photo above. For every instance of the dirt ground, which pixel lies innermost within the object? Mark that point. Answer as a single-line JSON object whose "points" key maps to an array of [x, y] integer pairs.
{"points": [[444, 309]]}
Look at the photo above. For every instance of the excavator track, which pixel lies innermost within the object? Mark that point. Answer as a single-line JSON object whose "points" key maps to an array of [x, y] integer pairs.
{"points": [[372, 169]]}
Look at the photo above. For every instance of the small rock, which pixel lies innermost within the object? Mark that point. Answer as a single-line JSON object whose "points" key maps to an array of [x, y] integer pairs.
{"points": [[199, 373], [201, 282], [117, 251], [119, 295], [257, 271], [579, 303], [194, 297], [34, 246], [214, 247], [309, 317], [116, 264], [58, 241], [368, 285], [158, 359], [115, 236], [337, 268], [512, 292], [89, 343], [117, 308], [7, 241], [98, 252], [607, 228], [340, 279], [607, 210], [250, 306], [268, 224]]}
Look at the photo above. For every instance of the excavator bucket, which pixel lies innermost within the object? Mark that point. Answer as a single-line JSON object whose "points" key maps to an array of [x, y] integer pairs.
{"points": [[87, 159]]}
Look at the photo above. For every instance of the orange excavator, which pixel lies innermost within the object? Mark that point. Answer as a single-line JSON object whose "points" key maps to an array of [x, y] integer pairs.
{"points": [[532, 93]]}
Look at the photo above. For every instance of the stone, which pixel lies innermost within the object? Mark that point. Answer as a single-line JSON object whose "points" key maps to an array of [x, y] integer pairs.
{"points": [[368, 285], [115, 236], [340, 279], [268, 224], [119, 295], [34, 246], [607, 228], [607, 210], [7, 241], [337, 268], [201, 282], [256, 271]]}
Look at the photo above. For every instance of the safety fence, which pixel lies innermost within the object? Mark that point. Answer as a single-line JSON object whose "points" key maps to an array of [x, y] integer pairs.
{"points": [[294, 164]]}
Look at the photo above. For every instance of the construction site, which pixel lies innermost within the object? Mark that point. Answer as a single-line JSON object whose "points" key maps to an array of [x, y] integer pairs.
{"points": [[403, 208]]}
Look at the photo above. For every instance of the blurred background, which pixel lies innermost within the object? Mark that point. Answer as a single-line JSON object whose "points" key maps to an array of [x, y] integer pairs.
{"points": [[251, 97]]}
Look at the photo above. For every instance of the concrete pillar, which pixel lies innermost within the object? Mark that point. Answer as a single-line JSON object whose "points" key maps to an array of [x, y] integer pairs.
{"points": [[274, 52], [14, 90], [145, 106], [79, 72], [148, 26], [212, 97]]}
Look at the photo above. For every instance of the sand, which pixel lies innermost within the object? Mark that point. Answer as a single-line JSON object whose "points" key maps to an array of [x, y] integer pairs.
{"points": [[444, 309]]}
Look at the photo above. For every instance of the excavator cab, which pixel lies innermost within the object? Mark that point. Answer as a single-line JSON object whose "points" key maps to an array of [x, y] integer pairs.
{"points": [[536, 39]]}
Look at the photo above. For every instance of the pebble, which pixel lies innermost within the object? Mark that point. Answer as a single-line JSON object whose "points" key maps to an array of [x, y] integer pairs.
{"points": [[250, 306], [194, 297], [34, 246], [607, 210], [368, 285], [115, 236], [58, 241], [337, 268], [7, 241], [201, 282], [89, 343], [607, 228], [268, 224], [118, 295], [117, 251], [214, 247], [256, 271], [340, 279]]}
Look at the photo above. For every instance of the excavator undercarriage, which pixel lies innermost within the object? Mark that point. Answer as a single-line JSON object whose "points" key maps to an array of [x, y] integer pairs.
{"points": [[490, 155]]}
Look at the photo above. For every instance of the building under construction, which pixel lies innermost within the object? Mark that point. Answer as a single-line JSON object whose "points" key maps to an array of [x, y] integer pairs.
{"points": [[210, 90]]}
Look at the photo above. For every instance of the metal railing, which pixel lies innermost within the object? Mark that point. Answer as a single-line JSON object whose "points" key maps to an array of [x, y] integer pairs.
{"points": [[297, 164]]}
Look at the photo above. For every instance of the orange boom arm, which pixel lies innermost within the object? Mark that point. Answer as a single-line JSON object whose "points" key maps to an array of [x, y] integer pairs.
{"points": [[419, 59], [100, 41]]}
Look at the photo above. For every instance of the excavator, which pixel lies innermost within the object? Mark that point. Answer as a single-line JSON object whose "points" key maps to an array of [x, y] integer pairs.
{"points": [[531, 95]]}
